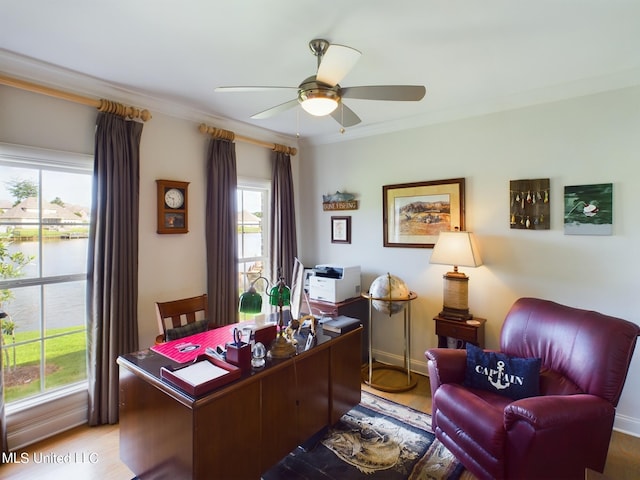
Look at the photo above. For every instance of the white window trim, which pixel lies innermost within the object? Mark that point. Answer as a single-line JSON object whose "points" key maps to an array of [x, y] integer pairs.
{"points": [[21, 155], [262, 184], [33, 419]]}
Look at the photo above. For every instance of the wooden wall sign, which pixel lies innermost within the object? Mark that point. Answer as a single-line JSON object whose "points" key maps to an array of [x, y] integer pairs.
{"points": [[339, 201]]}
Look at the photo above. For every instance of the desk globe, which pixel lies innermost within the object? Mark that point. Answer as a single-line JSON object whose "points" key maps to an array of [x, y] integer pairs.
{"points": [[389, 294], [391, 287]]}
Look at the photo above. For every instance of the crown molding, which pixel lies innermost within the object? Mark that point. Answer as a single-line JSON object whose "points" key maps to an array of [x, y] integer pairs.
{"points": [[53, 76]]}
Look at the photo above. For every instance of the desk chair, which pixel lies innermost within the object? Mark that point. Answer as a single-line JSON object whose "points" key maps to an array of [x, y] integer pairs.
{"points": [[181, 318]]}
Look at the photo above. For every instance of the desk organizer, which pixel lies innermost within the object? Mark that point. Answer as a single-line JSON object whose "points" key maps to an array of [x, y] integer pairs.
{"points": [[239, 355]]}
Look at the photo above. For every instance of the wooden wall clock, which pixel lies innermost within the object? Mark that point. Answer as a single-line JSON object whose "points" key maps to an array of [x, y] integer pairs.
{"points": [[173, 213]]}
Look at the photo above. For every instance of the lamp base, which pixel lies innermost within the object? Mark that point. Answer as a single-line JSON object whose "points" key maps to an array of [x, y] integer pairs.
{"points": [[281, 348], [455, 297], [455, 314]]}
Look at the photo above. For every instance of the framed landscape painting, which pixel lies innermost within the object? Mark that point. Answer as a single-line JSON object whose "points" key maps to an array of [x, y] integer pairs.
{"points": [[414, 214]]}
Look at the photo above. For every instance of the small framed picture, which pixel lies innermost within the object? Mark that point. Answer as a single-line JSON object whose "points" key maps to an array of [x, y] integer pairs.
{"points": [[340, 229], [173, 220]]}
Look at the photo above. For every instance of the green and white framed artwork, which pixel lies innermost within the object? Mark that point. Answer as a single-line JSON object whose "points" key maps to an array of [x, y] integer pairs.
{"points": [[588, 209]]}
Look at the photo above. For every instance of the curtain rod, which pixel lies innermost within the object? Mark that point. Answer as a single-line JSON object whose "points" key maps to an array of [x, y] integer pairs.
{"points": [[231, 136], [102, 105]]}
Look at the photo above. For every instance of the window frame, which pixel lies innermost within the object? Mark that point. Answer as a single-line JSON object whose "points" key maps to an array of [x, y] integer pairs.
{"points": [[263, 185], [21, 156]]}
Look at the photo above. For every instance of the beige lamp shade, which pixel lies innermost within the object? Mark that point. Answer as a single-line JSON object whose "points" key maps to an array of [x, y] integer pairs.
{"points": [[457, 249]]}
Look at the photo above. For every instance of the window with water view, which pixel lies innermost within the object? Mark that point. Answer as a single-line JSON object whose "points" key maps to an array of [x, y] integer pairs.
{"points": [[44, 227]]}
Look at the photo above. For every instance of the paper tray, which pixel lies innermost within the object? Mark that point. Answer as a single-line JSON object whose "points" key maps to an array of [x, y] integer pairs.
{"points": [[199, 378]]}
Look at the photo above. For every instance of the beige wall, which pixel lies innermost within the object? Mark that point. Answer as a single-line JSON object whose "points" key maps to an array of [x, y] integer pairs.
{"points": [[585, 140]]}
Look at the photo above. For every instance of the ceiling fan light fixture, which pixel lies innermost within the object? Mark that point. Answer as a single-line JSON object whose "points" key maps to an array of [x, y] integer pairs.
{"points": [[319, 102]]}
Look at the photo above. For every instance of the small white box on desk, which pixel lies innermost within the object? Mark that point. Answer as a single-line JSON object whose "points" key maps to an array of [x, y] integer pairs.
{"points": [[334, 284]]}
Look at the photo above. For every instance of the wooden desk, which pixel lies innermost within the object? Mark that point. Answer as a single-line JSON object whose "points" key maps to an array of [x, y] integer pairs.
{"points": [[471, 331], [243, 428]]}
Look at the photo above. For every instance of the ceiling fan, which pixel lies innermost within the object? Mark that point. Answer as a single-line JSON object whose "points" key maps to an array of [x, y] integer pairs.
{"points": [[320, 94]]}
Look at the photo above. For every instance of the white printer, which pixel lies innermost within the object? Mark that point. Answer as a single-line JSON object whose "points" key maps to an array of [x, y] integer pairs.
{"points": [[333, 283]]}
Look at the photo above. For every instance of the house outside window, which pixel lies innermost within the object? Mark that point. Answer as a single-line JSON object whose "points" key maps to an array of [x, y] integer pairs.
{"points": [[45, 200], [252, 199]]}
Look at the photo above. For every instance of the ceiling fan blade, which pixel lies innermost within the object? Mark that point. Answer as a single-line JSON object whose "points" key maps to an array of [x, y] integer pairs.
{"points": [[345, 116], [270, 112], [410, 93], [337, 61], [251, 89]]}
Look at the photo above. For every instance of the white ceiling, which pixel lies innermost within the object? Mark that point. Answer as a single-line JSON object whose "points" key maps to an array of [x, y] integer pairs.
{"points": [[473, 56]]}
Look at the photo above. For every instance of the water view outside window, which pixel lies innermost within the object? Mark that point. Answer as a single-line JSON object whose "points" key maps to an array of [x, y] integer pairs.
{"points": [[252, 237], [44, 227]]}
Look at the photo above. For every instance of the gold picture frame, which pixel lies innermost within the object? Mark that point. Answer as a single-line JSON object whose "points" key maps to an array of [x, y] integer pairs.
{"points": [[415, 213]]}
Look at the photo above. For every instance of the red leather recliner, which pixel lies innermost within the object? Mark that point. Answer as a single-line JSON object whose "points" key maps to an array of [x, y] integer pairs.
{"points": [[567, 428]]}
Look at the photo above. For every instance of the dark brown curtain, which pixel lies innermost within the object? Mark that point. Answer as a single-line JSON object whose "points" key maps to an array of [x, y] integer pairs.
{"points": [[222, 233], [284, 247], [112, 287]]}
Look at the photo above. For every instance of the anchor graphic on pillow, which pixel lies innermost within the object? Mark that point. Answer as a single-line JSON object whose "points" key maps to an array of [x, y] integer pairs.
{"points": [[499, 377]]}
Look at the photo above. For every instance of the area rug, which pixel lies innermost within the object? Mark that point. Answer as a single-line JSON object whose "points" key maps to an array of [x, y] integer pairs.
{"points": [[376, 440]]}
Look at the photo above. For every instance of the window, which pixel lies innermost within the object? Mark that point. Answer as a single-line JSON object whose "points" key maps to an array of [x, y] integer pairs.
{"points": [[45, 199], [253, 227]]}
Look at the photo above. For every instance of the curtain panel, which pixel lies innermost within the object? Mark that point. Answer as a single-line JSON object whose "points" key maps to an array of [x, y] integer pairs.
{"points": [[222, 233], [283, 237], [112, 287]]}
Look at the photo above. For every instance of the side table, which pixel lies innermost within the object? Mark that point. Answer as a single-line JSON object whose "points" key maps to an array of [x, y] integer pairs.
{"points": [[471, 331]]}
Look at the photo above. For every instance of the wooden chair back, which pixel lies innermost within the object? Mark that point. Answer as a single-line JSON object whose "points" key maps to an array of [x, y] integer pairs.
{"points": [[177, 313]]}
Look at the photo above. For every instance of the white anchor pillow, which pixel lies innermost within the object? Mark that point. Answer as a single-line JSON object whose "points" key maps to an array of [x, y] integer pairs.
{"points": [[512, 377]]}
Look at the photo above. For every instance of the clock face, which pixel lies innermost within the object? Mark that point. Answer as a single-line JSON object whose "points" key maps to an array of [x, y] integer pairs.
{"points": [[174, 198]]}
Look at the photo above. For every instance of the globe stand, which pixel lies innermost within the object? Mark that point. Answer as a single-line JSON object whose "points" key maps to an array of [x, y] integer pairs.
{"points": [[368, 377]]}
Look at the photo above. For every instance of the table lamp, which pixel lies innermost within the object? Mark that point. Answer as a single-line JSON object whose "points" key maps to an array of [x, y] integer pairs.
{"points": [[251, 300], [280, 296], [457, 249]]}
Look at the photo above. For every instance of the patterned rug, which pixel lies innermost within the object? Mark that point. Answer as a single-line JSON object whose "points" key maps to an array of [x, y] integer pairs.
{"points": [[378, 439]]}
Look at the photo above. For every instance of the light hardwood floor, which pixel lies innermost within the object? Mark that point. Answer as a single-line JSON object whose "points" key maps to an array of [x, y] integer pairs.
{"points": [[93, 452]]}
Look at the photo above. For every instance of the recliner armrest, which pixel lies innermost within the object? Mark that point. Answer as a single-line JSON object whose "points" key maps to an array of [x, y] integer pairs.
{"points": [[446, 365], [554, 411]]}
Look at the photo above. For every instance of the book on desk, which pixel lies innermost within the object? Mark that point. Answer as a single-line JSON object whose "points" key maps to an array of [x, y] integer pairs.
{"points": [[340, 324]]}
